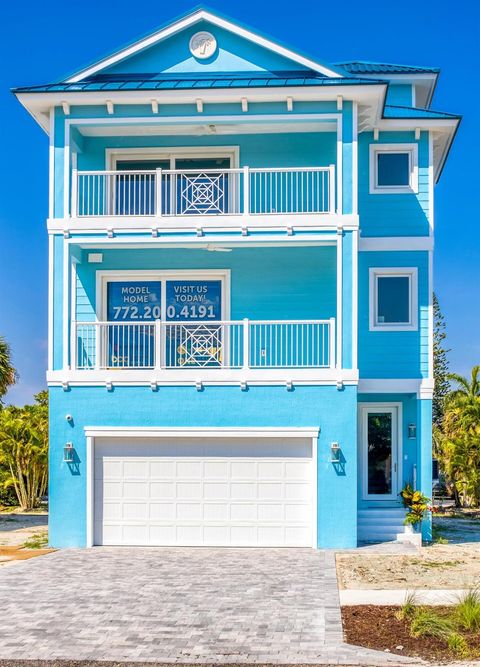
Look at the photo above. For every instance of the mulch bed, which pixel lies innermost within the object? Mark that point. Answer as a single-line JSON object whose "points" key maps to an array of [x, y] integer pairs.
{"points": [[7, 554], [378, 628]]}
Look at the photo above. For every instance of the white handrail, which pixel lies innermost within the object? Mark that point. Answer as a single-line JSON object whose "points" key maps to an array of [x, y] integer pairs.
{"points": [[247, 344], [179, 192]]}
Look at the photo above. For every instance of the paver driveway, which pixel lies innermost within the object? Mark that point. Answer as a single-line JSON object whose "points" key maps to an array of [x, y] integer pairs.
{"points": [[183, 605]]}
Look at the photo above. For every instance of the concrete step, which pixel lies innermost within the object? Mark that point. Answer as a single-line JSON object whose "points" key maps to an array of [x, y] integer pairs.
{"points": [[380, 524]]}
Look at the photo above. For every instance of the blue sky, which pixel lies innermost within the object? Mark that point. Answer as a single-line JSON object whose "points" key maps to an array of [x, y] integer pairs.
{"points": [[42, 42]]}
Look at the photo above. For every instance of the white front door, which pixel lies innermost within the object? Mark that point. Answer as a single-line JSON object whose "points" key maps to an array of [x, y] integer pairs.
{"points": [[204, 492], [379, 451]]}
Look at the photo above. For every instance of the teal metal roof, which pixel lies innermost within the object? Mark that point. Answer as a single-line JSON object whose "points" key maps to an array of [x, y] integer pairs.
{"points": [[392, 111], [175, 82], [365, 67]]}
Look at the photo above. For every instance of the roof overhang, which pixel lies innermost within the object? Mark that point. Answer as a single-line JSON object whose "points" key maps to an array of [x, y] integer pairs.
{"points": [[443, 132], [371, 97], [424, 83], [191, 19]]}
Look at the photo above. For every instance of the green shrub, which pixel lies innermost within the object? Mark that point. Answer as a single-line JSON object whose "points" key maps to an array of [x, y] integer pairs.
{"points": [[458, 645], [426, 623], [467, 611]]}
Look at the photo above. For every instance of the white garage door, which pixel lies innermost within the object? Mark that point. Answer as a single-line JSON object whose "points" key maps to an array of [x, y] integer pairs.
{"points": [[223, 492]]}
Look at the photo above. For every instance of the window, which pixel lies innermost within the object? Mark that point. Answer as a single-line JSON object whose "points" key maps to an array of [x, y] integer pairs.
{"points": [[393, 168], [393, 299]]}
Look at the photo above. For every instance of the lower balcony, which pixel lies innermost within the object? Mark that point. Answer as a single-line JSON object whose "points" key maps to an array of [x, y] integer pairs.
{"points": [[205, 351]]}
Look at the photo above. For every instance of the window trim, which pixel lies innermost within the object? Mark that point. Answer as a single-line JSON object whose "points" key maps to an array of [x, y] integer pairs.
{"points": [[401, 272], [412, 151]]}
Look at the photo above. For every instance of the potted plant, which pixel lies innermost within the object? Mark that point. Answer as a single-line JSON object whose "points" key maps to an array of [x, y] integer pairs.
{"points": [[417, 506]]}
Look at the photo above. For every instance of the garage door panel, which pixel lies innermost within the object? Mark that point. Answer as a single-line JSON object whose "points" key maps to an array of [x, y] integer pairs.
{"points": [[135, 490], [161, 469], [243, 490], [216, 491], [189, 469], [216, 512], [162, 511], [189, 490], [163, 490], [216, 470], [243, 512], [239, 492]]}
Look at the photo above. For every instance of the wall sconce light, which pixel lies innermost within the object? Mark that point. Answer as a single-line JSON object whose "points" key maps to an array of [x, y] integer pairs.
{"points": [[68, 453], [412, 431], [335, 451]]}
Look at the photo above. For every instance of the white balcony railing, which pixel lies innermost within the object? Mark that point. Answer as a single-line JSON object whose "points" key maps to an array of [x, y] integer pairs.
{"points": [[178, 345], [208, 192]]}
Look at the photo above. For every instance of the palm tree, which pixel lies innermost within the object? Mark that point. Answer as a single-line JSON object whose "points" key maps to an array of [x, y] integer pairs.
{"points": [[8, 374], [466, 389]]}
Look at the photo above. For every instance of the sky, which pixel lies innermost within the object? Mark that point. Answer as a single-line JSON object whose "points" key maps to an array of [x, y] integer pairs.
{"points": [[43, 42]]}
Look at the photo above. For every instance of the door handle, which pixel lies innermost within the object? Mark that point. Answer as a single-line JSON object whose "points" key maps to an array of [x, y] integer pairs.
{"points": [[394, 467]]}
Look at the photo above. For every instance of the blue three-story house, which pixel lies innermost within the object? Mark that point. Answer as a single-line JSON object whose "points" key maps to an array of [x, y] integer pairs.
{"points": [[240, 292]]}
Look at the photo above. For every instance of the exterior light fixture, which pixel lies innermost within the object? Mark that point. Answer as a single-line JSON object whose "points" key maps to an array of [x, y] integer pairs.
{"points": [[335, 452], [412, 431], [68, 452]]}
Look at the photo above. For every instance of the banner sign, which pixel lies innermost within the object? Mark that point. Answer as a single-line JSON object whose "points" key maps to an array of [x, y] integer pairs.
{"points": [[135, 300], [194, 300]]}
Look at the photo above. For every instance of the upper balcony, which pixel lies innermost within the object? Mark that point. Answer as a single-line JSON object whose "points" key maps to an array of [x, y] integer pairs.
{"points": [[175, 193]]}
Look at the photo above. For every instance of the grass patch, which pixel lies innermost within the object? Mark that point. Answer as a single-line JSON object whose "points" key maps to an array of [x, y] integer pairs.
{"points": [[36, 541], [427, 623], [458, 645], [467, 611], [407, 610]]}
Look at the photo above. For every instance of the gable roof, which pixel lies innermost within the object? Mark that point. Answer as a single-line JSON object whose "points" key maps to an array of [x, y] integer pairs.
{"points": [[190, 19], [365, 67]]}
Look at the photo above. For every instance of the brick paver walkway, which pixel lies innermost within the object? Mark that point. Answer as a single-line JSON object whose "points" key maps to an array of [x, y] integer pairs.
{"points": [[177, 605]]}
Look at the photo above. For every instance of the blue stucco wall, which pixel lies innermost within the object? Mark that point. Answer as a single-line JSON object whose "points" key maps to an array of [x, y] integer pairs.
{"points": [[394, 354], [333, 411]]}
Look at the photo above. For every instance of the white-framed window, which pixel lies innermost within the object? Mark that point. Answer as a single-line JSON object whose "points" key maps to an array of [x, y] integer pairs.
{"points": [[393, 299], [393, 168]]}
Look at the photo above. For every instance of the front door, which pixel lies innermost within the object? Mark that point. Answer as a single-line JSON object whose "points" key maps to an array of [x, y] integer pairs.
{"points": [[379, 446]]}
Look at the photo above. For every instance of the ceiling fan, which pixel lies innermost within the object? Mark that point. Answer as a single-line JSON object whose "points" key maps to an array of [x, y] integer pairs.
{"points": [[215, 248]]}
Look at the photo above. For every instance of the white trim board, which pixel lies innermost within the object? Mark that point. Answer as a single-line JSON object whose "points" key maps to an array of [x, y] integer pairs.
{"points": [[190, 20], [112, 155], [422, 388], [203, 431], [385, 243]]}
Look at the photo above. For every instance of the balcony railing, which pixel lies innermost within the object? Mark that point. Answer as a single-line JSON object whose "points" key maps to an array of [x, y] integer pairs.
{"points": [[160, 345], [209, 192]]}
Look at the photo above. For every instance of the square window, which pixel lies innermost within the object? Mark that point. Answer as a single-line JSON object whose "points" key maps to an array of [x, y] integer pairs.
{"points": [[393, 299], [393, 169]]}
